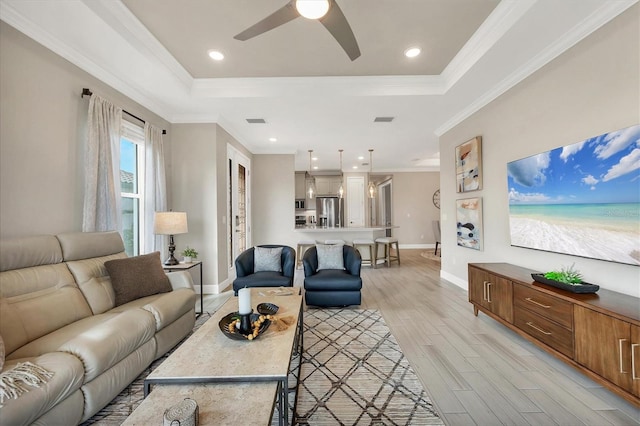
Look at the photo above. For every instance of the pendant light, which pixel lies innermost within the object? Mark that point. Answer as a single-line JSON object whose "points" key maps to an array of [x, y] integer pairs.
{"points": [[311, 181], [341, 189], [372, 188], [312, 9]]}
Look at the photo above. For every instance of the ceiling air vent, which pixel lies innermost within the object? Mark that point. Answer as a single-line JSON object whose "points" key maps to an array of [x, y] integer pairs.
{"points": [[256, 121], [383, 119]]}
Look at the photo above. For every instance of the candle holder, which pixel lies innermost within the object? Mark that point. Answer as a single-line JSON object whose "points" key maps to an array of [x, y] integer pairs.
{"points": [[245, 323]]}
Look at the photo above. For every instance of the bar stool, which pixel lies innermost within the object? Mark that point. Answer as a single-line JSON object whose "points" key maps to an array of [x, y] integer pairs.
{"points": [[303, 246], [335, 242], [388, 243], [372, 259]]}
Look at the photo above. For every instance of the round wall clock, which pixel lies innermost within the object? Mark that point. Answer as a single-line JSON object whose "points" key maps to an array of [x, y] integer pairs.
{"points": [[436, 198]]}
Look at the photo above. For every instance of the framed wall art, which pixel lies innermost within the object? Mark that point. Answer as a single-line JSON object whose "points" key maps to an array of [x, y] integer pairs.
{"points": [[469, 222], [469, 165]]}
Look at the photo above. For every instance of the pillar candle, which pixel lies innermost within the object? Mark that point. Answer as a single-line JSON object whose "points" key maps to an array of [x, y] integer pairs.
{"points": [[244, 301]]}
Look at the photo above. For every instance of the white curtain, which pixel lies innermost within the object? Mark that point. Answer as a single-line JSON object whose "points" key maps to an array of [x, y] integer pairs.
{"points": [[155, 197], [101, 210]]}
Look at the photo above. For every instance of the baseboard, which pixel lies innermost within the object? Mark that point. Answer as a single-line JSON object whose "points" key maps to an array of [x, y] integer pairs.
{"points": [[454, 280], [214, 288], [416, 246]]}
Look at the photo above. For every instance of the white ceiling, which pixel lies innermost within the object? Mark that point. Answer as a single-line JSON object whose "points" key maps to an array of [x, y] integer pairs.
{"points": [[297, 77]]}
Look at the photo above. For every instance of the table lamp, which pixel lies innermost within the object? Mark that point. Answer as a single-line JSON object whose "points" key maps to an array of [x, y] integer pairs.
{"points": [[170, 223]]}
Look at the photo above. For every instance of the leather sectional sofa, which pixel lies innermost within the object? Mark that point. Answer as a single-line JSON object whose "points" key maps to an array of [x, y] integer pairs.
{"points": [[57, 310]]}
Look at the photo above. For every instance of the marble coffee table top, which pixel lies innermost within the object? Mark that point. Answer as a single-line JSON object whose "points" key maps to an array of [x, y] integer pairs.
{"points": [[208, 355]]}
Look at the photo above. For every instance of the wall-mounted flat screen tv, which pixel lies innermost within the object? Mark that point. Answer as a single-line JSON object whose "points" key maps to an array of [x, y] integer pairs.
{"points": [[581, 199]]}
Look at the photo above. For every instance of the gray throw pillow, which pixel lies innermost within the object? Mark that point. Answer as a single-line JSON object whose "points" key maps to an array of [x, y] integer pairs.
{"points": [[136, 277], [267, 259], [330, 256]]}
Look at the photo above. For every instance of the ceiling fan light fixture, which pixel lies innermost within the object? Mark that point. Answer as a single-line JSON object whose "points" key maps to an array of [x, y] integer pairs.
{"points": [[312, 9], [412, 52]]}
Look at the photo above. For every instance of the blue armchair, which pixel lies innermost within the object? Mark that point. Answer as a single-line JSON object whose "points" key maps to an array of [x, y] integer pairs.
{"points": [[246, 277], [332, 287]]}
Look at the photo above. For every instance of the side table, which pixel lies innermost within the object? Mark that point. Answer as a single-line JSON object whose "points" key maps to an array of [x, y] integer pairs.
{"points": [[185, 267]]}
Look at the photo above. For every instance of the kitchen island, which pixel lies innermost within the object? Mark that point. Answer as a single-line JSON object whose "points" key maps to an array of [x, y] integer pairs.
{"points": [[346, 233]]}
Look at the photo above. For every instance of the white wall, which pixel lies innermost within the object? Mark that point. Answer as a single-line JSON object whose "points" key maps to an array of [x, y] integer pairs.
{"points": [[273, 193], [413, 209], [42, 136], [591, 89]]}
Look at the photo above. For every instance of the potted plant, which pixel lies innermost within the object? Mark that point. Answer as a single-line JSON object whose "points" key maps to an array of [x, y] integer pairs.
{"points": [[189, 254], [566, 279]]}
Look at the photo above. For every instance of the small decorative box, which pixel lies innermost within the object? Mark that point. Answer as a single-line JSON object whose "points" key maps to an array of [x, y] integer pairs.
{"points": [[185, 413]]}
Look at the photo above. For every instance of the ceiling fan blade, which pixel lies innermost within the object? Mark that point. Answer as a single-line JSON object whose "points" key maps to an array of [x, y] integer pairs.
{"points": [[339, 27], [281, 16]]}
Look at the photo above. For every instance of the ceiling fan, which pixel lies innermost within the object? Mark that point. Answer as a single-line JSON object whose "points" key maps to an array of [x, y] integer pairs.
{"points": [[326, 11]]}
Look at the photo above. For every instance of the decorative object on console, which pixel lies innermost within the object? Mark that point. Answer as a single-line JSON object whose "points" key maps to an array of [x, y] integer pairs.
{"points": [[566, 279], [189, 254], [581, 199], [170, 223], [436, 198], [469, 222], [469, 165]]}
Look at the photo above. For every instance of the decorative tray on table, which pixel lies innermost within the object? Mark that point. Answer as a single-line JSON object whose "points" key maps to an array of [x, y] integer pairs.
{"points": [[574, 288], [234, 333]]}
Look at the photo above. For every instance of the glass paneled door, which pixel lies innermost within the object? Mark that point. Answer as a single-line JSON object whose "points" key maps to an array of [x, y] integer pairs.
{"points": [[239, 223]]}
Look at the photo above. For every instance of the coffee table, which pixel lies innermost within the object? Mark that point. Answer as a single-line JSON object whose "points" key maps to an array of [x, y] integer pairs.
{"points": [[208, 356]]}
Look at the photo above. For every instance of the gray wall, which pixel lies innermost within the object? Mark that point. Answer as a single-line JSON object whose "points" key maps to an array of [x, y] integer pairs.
{"points": [[42, 135], [589, 90], [413, 209], [273, 192]]}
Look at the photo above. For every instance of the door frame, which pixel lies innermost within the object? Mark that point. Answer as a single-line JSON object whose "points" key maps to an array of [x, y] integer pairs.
{"points": [[385, 198], [235, 158]]}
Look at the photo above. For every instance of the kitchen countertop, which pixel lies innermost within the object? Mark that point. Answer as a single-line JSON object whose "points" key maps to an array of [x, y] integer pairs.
{"points": [[314, 228]]}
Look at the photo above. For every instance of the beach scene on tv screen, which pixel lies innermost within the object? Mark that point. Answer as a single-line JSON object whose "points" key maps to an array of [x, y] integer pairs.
{"points": [[581, 199]]}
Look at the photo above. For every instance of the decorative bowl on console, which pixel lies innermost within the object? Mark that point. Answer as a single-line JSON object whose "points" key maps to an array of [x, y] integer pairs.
{"points": [[581, 287]]}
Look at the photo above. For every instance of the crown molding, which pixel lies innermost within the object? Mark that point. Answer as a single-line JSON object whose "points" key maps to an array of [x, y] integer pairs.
{"points": [[506, 14], [13, 17], [594, 21]]}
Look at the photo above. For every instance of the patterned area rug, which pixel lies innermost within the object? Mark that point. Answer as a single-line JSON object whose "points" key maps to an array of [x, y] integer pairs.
{"points": [[353, 373]]}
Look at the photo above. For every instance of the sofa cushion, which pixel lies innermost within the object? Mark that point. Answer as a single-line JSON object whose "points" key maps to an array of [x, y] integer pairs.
{"points": [[18, 253], [267, 259], [94, 281], [330, 256], [36, 301], [67, 378], [137, 277], [99, 341], [165, 307]]}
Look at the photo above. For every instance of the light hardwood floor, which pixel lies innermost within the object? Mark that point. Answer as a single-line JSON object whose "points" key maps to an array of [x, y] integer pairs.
{"points": [[476, 371]]}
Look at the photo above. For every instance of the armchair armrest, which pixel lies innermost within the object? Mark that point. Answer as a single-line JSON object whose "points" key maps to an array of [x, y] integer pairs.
{"points": [[310, 262], [244, 263], [352, 260]]}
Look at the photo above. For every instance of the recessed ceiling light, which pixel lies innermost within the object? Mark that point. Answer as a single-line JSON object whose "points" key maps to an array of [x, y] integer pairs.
{"points": [[273, 140], [315, 167], [216, 55], [412, 52], [360, 157], [354, 167], [314, 158]]}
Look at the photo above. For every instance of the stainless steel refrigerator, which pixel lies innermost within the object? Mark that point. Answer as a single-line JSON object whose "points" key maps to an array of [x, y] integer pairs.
{"points": [[330, 211]]}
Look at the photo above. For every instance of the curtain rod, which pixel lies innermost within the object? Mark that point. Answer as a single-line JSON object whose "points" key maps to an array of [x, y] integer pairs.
{"points": [[88, 92]]}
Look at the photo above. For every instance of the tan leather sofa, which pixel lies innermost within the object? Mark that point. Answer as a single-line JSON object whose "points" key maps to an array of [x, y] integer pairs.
{"points": [[57, 310]]}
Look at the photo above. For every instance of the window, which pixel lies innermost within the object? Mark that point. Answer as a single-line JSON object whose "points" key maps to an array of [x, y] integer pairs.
{"points": [[132, 186]]}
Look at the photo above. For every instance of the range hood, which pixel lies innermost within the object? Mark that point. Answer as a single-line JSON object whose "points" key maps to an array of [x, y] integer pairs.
{"points": [[326, 173]]}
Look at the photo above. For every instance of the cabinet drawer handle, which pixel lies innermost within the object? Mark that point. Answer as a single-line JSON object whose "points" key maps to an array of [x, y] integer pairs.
{"points": [[620, 355], [528, 299], [633, 361], [488, 292], [530, 324], [484, 290]]}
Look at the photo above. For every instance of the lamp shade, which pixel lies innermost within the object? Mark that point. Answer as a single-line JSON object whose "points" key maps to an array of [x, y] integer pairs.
{"points": [[170, 223]]}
